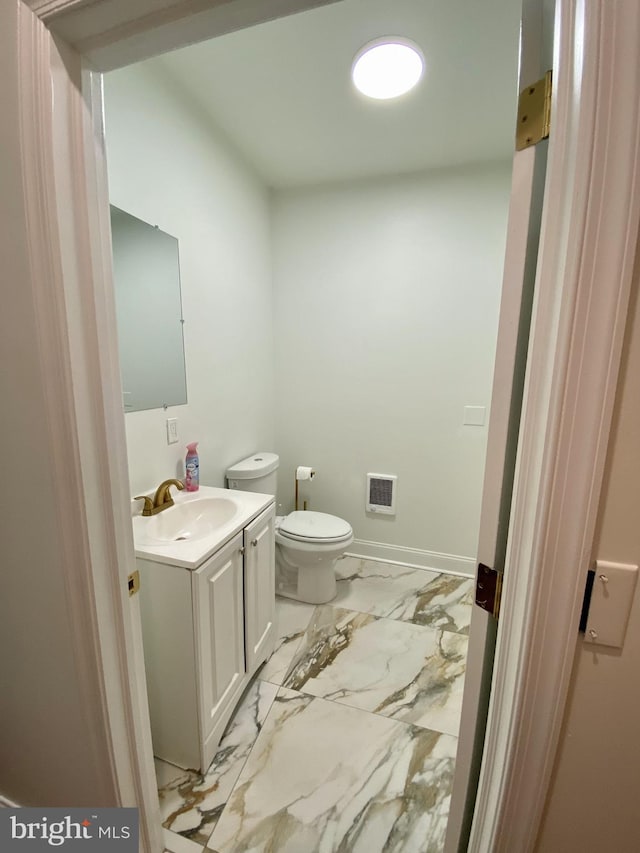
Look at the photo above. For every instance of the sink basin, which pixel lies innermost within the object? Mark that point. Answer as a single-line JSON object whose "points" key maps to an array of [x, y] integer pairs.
{"points": [[197, 525], [185, 521]]}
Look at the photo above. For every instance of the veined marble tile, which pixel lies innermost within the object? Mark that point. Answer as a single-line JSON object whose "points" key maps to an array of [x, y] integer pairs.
{"points": [[166, 773], [292, 618], [414, 595], [405, 671], [377, 588], [177, 844], [442, 603], [191, 804], [324, 777]]}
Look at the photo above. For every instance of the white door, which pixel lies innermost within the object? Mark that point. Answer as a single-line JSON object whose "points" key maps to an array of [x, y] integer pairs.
{"points": [[219, 629], [259, 587]]}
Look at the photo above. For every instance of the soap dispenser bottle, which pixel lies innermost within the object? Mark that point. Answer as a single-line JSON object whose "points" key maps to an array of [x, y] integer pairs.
{"points": [[192, 468]]}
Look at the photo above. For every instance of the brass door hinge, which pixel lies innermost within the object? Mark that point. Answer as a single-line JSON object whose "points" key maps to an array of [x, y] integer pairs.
{"points": [[534, 113], [134, 582], [489, 589]]}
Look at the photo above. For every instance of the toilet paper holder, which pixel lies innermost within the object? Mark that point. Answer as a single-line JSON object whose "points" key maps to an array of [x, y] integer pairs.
{"points": [[302, 473]]}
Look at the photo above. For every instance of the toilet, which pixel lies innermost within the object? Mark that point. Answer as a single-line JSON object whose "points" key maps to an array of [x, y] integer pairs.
{"points": [[307, 543]]}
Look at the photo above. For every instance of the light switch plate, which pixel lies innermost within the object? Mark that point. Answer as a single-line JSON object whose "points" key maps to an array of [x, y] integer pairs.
{"points": [[475, 415], [611, 599], [172, 430]]}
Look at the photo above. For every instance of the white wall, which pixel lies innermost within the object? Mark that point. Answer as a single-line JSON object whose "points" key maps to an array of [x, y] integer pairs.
{"points": [[171, 168], [387, 297], [386, 301]]}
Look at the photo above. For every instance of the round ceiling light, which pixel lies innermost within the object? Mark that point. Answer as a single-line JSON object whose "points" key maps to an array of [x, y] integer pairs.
{"points": [[387, 68]]}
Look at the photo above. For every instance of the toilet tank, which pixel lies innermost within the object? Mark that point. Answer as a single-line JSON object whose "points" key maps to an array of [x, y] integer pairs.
{"points": [[257, 473]]}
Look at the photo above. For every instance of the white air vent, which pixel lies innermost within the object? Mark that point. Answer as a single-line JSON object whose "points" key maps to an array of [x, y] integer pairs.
{"points": [[381, 493]]}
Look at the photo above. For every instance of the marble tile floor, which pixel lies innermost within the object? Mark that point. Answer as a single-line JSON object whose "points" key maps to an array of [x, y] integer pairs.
{"points": [[346, 739]]}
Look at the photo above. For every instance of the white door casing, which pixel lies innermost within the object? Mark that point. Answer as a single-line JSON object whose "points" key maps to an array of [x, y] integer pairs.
{"points": [[68, 254], [585, 260], [113, 33]]}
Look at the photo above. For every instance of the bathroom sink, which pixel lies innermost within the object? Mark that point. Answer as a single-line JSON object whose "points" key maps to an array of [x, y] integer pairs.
{"points": [[184, 522], [195, 526]]}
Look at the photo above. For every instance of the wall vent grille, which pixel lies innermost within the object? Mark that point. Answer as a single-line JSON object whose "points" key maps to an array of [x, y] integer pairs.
{"points": [[381, 493]]}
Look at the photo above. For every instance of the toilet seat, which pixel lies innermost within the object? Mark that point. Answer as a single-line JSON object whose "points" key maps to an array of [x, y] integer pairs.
{"points": [[316, 528]]}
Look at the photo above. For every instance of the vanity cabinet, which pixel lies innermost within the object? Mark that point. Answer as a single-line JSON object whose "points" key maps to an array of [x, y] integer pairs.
{"points": [[259, 588], [219, 629], [206, 631]]}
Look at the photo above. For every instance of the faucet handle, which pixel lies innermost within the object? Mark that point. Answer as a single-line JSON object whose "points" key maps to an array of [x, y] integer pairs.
{"points": [[148, 504], [163, 496]]}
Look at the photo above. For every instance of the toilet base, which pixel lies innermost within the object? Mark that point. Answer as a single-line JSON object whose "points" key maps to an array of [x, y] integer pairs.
{"points": [[313, 584]]}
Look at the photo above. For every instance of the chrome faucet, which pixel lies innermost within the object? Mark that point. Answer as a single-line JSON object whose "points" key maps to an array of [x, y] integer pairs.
{"points": [[162, 498]]}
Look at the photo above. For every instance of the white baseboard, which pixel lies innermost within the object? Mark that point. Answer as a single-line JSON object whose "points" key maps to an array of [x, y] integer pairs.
{"points": [[415, 558], [6, 803]]}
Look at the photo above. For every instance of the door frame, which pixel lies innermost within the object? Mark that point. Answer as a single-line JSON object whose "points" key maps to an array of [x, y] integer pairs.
{"points": [[587, 247], [585, 267], [589, 236]]}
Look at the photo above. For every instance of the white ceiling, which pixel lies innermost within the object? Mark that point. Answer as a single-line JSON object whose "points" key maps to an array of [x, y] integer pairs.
{"points": [[282, 94]]}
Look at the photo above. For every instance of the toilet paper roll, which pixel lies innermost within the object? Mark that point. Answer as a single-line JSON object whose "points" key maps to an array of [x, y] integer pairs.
{"points": [[303, 472]]}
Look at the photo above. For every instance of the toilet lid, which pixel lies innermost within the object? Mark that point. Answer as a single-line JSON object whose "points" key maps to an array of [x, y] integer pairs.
{"points": [[315, 527]]}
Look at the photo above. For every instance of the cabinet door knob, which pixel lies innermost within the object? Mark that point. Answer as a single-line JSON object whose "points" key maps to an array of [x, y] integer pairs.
{"points": [[242, 550], [254, 542]]}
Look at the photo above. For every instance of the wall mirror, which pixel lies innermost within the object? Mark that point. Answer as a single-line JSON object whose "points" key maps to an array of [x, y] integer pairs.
{"points": [[146, 274]]}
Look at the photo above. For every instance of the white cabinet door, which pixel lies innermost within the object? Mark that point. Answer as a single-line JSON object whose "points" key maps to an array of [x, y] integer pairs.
{"points": [[259, 588], [219, 627]]}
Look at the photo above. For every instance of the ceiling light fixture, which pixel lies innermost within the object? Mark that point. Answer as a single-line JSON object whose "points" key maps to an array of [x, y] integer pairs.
{"points": [[387, 67]]}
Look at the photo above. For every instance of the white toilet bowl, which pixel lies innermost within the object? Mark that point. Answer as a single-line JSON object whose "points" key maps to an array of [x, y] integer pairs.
{"points": [[307, 547]]}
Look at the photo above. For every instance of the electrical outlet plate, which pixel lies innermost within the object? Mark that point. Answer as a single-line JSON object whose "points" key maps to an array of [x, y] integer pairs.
{"points": [[611, 599], [474, 415], [172, 430]]}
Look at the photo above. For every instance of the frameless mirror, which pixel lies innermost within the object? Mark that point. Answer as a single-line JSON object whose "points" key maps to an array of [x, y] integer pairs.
{"points": [[146, 274]]}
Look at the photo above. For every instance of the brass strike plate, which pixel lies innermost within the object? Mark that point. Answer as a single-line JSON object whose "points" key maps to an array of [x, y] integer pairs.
{"points": [[489, 589], [134, 582], [534, 113]]}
